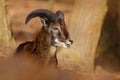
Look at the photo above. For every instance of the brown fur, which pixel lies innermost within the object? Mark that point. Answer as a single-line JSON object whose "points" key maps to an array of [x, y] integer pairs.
{"points": [[40, 47]]}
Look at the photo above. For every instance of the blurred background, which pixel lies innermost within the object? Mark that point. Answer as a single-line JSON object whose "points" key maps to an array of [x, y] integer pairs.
{"points": [[94, 27]]}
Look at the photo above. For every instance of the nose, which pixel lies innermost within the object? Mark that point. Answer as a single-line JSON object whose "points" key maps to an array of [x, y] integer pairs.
{"points": [[71, 41]]}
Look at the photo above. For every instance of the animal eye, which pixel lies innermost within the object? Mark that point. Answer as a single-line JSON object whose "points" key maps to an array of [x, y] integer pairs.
{"points": [[55, 28]]}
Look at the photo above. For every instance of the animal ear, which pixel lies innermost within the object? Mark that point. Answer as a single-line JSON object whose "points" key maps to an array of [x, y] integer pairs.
{"points": [[60, 15], [44, 22]]}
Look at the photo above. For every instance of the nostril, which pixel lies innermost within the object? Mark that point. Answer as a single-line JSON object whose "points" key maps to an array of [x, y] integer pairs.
{"points": [[71, 41]]}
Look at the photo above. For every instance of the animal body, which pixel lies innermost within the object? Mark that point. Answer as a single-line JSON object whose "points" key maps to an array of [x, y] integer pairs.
{"points": [[53, 34]]}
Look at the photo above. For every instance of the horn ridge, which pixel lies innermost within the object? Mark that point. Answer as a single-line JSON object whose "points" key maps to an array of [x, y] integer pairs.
{"points": [[42, 13]]}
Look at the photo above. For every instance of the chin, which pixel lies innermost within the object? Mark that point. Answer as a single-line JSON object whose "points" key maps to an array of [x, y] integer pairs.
{"points": [[66, 46], [62, 45]]}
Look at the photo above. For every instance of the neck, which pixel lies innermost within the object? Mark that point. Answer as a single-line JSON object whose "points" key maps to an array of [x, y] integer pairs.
{"points": [[42, 46], [42, 42]]}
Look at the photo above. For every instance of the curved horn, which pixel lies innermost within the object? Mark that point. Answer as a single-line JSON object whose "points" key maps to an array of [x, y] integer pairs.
{"points": [[47, 15]]}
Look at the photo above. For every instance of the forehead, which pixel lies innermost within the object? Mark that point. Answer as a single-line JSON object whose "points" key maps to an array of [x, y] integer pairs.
{"points": [[55, 24]]}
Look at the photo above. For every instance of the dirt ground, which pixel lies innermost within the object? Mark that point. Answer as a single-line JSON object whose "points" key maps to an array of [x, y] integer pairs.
{"points": [[18, 10]]}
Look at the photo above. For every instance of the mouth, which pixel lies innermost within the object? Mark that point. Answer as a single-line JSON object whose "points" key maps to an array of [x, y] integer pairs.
{"points": [[62, 45], [68, 45]]}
